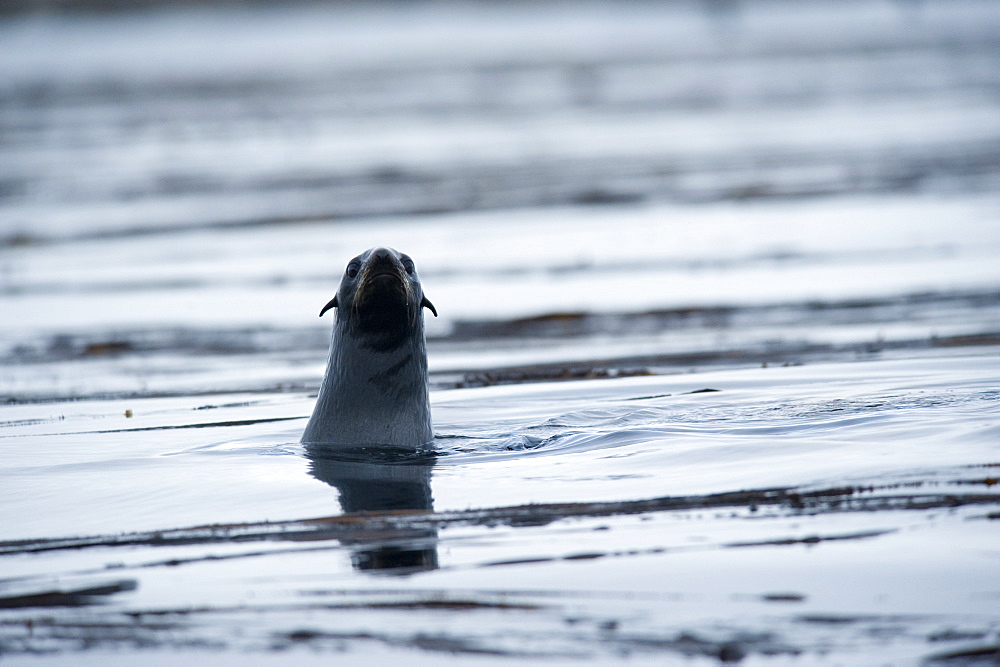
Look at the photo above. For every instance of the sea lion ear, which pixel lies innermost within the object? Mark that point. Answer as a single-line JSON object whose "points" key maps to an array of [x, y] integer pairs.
{"points": [[332, 304], [425, 303]]}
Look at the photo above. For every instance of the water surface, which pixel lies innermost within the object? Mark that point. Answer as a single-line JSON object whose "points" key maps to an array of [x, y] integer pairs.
{"points": [[715, 377]]}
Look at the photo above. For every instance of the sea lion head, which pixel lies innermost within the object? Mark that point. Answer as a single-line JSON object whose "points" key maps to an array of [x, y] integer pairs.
{"points": [[380, 299]]}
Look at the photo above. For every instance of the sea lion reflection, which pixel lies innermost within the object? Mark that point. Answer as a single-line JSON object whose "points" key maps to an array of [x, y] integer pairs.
{"points": [[376, 482]]}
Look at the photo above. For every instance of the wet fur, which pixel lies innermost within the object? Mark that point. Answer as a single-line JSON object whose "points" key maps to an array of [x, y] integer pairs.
{"points": [[374, 392]]}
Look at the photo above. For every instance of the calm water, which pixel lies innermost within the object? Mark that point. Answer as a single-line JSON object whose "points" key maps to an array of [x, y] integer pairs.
{"points": [[715, 377]]}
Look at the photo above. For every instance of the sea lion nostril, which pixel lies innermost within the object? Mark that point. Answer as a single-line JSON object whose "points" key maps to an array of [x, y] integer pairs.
{"points": [[383, 261]]}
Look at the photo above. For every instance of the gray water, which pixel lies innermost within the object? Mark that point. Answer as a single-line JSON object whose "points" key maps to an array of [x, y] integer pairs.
{"points": [[715, 377]]}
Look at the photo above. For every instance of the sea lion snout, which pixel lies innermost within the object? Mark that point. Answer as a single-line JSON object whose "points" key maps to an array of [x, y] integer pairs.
{"points": [[384, 262], [383, 281]]}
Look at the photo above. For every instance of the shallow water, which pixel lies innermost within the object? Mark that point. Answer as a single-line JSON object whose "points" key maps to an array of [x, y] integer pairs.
{"points": [[715, 377]]}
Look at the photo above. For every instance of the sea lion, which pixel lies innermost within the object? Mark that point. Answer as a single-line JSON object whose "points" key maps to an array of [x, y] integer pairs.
{"points": [[374, 392]]}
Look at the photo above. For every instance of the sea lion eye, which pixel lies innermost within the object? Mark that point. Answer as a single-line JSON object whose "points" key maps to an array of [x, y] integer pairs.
{"points": [[408, 266], [352, 269]]}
